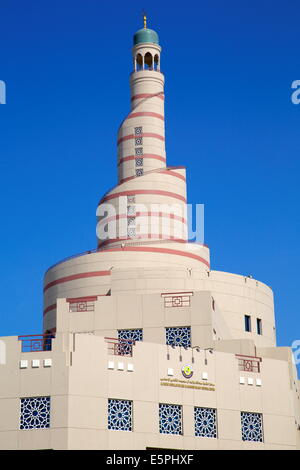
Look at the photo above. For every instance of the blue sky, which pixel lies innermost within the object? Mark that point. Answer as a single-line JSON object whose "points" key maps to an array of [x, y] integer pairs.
{"points": [[228, 65]]}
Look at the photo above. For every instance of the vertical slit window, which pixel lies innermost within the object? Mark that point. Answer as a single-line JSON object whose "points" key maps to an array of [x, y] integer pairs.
{"points": [[259, 326], [247, 323]]}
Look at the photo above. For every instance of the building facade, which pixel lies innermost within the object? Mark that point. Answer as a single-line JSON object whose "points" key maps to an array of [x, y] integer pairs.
{"points": [[144, 346]]}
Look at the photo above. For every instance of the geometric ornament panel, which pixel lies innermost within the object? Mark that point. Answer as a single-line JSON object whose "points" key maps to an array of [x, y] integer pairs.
{"points": [[205, 422], [35, 413], [252, 428], [120, 415]]}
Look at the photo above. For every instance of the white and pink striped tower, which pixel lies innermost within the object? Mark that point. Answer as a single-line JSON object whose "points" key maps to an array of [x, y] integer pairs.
{"points": [[148, 205], [142, 221]]}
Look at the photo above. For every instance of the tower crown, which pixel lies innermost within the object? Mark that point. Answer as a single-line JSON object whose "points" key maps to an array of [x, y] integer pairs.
{"points": [[145, 36]]}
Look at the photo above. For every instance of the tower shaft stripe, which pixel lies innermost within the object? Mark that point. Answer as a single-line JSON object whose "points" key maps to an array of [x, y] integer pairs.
{"points": [[145, 134], [73, 277], [48, 309], [146, 155], [166, 172], [142, 191], [148, 95], [143, 214], [169, 251], [141, 114]]}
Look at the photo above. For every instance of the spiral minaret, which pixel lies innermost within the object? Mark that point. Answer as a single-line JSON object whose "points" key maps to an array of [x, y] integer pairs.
{"points": [[142, 221], [148, 205]]}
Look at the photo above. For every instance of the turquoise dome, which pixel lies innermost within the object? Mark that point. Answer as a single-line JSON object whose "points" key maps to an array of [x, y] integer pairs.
{"points": [[145, 35]]}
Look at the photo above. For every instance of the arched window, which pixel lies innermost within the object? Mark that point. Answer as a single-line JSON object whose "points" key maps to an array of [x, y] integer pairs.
{"points": [[148, 61], [156, 62], [139, 62]]}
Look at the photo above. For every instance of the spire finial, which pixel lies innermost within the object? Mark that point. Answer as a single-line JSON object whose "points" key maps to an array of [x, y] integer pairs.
{"points": [[145, 19]]}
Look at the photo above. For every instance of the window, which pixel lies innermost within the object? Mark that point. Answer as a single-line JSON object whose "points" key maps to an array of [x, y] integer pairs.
{"points": [[259, 326], [170, 419], [131, 221], [205, 422], [138, 130], [139, 172], [35, 413], [139, 62], [120, 415], [139, 162], [131, 210], [136, 335], [148, 61], [247, 323], [252, 427], [179, 336], [131, 233], [139, 151], [139, 141], [125, 346]]}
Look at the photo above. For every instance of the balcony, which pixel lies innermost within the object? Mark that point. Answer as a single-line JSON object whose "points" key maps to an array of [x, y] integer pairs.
{"points": [[34, 343], [120, 347], [248, 363], [180, 299]]}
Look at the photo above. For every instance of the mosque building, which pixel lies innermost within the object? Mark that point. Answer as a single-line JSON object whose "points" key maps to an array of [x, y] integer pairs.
{"points": [[144, 345]]}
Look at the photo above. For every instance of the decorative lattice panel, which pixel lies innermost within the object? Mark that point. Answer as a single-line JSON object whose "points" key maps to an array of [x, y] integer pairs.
{"points": [[139, 162], [252, 428], [120, 415], [82, 306], [136, 335], [139, 141], [131, 233], [177, 301], [131, 210], [249, 364], [35, 413], [139, 151], [126, 346], [139, 172], [138, 130], [170, 419], [205, 422], [179, 336], [131, 221]]}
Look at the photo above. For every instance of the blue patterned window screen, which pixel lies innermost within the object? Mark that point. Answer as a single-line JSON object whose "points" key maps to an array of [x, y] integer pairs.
{"points": [[131, 233], [120, 415], [205, 422], [179, 336], [136, 334], [252, 426], [35, 413], [170, 419]]}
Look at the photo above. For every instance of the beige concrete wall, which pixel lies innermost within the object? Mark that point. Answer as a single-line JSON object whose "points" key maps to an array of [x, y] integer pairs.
{"points": [[84, 374], [136, 302]]}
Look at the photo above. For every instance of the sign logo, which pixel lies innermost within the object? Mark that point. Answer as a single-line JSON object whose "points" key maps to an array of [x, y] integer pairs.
{"points": [[187, 371]]}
